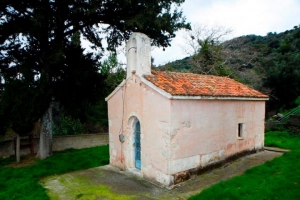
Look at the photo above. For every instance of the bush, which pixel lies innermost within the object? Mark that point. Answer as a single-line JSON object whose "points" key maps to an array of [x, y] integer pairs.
{"points": [[67, 126], [297, 101]]}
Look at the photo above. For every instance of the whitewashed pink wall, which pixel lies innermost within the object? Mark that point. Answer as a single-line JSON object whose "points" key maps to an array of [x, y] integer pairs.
{"points": [[153, 111], [177, 135], [206, 131]]}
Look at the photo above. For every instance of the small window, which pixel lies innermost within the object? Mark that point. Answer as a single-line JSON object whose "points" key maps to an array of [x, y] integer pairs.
{"points": [[241, 131]]}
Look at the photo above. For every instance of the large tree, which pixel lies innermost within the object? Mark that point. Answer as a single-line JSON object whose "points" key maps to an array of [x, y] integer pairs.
{"points": [[204, 45], [36, 48], [211, 54]]}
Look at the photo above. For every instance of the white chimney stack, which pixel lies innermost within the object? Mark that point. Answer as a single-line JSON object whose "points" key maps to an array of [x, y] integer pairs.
{"points": [[138, 52]]}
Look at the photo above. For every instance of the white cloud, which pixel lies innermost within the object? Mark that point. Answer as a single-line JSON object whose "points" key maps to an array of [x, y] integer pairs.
{"points": [[243, 16]]}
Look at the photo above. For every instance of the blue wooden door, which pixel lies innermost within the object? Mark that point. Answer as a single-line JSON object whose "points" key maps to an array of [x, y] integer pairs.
{"points": [[137, 145]]}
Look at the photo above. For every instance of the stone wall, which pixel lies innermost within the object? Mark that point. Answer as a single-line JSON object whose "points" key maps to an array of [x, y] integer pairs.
{"points": [[270, 125], [59, 143]]}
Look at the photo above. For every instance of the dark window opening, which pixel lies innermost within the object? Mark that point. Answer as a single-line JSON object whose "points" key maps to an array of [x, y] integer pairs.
{"points": [[241, 130]]}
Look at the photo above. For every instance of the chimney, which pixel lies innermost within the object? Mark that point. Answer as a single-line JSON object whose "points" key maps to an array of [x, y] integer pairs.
{"points": [[138, 51]]}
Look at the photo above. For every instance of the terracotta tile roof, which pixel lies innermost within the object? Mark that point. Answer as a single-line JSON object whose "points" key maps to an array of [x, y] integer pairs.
{"points": [[188, 84]]}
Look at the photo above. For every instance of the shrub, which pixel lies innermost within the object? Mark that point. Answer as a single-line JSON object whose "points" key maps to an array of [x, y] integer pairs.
{"points": [[67, 126], [297, 101]]}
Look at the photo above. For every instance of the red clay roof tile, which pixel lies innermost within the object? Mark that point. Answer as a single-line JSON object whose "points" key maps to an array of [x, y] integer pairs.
{"points": [[188, 84]]}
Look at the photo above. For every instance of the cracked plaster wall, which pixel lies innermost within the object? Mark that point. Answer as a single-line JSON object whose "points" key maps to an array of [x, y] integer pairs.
{"points": [[178, 135], [205, 131], [153, 111]]}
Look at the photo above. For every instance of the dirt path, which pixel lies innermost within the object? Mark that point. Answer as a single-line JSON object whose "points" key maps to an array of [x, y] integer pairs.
{"points": [[110, 183]]}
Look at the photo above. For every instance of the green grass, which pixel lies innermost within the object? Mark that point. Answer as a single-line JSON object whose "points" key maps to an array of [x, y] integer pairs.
{"points": [[6, 161], [276, 179], [23, 182]]}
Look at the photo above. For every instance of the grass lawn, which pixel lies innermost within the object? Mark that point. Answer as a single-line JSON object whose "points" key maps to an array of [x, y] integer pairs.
{"points": [[276, 179], [23, 182]]}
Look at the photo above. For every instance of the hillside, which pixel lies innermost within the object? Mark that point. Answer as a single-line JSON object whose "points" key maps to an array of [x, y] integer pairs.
{"points": [[270, 64]]}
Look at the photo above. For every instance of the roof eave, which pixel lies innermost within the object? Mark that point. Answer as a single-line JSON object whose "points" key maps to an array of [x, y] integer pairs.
{"points": [[170, 96], [220, 98], [157, 89]]}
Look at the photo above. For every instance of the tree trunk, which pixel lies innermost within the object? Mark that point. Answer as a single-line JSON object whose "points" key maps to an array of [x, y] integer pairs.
{"points": [[45, 147], [18, 147]]}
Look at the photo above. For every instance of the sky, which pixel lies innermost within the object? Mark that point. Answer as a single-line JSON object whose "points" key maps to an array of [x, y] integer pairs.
{"points": [[243, 17]]}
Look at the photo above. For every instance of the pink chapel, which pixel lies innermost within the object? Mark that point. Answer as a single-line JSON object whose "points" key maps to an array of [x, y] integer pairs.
{"points": [[168, 126]]}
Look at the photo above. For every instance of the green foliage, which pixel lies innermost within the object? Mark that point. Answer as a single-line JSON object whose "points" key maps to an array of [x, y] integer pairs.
{"points": [[283, 138], [80, 86], [276, 179], [114, 72], [183, 65], [270, 64], [66, 125], [281, 61], [3, 125], [23, 183], [297, 101], [277, 128], [20, 106], [98, 114], [6, 161], [109, 64], [39, 44], [208, 59], [117, 75]]}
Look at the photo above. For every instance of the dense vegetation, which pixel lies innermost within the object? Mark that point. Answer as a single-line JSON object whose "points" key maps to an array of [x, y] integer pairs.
{"points": [[270, 64], [276, 179], [23, 182], [42, 60]]}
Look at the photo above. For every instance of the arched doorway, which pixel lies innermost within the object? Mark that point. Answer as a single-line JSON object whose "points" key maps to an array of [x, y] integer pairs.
{"points": [[137, 144]]}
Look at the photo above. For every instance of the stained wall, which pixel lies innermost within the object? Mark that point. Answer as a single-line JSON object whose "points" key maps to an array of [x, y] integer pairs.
{"points": [[178, 135], [153, 111], [206, 131]]}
